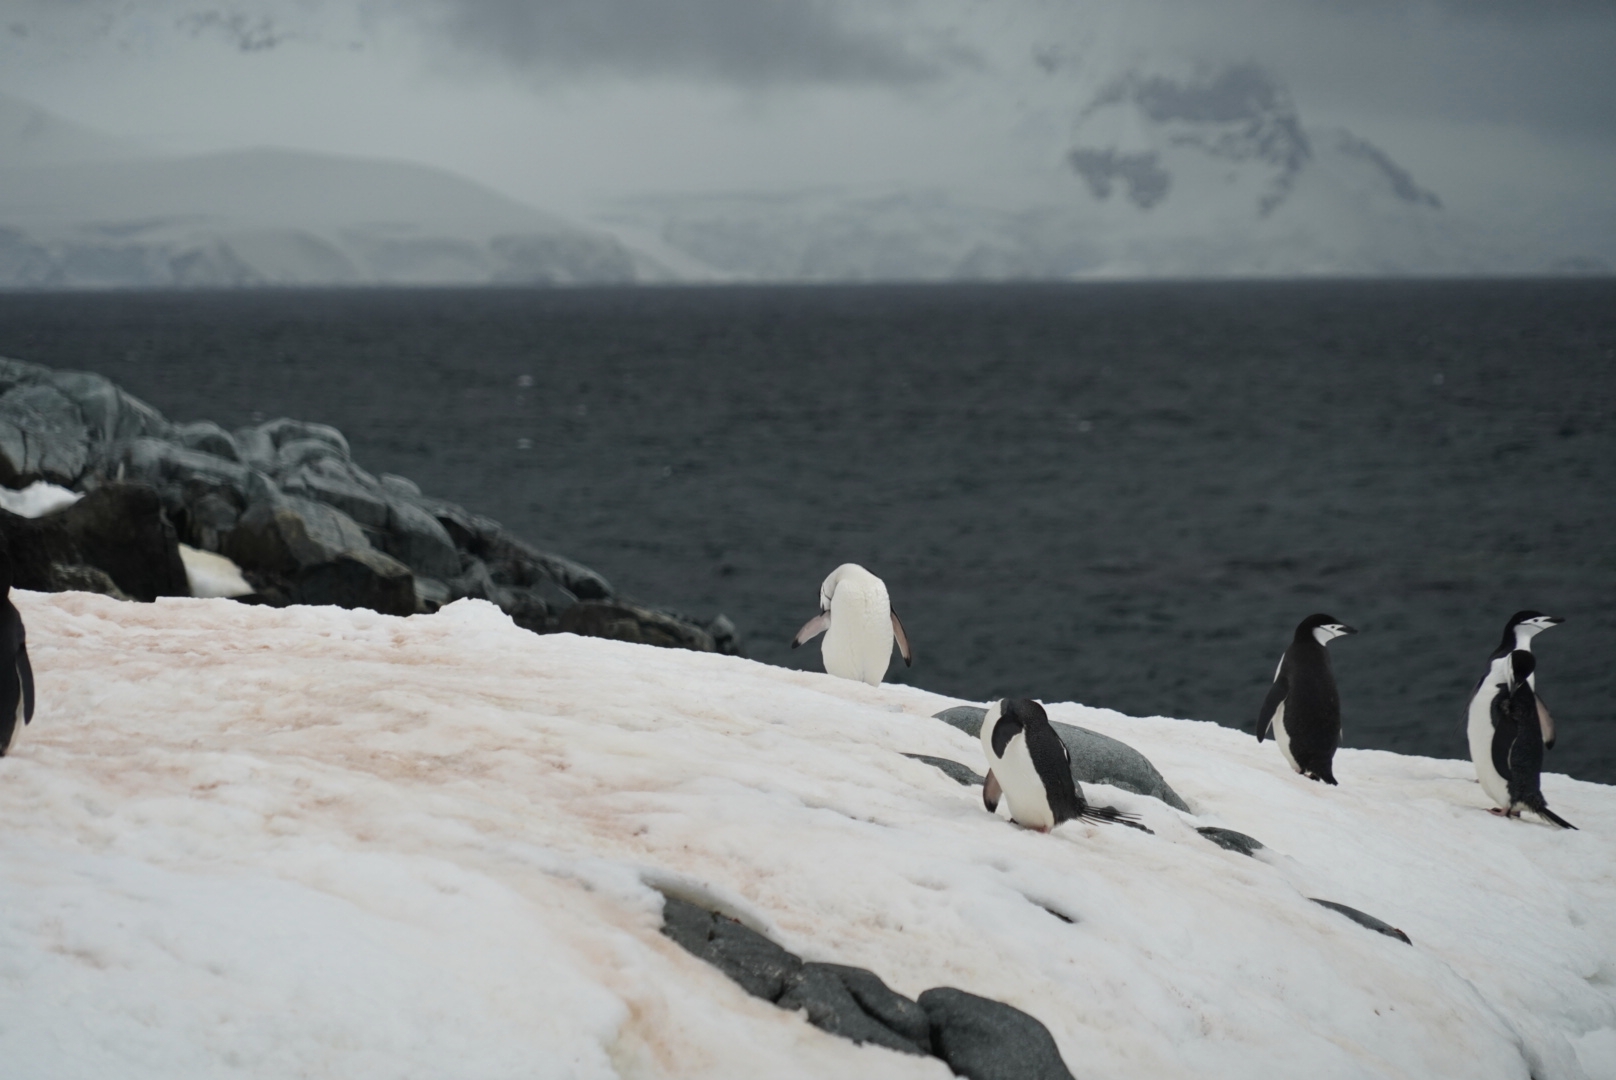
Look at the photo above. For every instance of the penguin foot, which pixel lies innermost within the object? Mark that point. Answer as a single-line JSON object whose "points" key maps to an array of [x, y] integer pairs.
{"points": [[1497, 812]]}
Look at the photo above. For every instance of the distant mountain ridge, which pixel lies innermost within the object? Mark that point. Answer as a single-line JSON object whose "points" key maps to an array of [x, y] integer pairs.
{"points": [[81, 210]]}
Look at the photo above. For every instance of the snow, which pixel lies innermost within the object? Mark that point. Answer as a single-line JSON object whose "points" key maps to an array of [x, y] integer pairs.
{"points": [[253, 842], [37, 499], [212, 575]]}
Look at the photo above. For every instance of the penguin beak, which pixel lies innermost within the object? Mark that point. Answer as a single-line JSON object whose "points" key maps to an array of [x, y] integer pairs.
{"points": [[1552, 620], [1343, 628]]}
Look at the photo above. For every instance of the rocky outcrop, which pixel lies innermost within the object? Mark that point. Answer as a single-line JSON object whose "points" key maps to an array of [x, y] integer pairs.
{"points": [[288, 504], [977, 1037]]}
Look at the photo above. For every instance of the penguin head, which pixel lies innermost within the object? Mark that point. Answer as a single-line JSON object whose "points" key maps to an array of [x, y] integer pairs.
{"points": [[1521, 666], [1323, 628], [1525, 625]]}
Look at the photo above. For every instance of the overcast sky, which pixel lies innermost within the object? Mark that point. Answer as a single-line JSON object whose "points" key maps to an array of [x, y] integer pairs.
{"points": [[561, 102]]}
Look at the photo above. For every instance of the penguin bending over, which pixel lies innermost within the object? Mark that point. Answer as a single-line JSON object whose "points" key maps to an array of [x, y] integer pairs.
{"points": [[1303, 707], [1517, 749], [1030, 766], [16, 675], [856, 617], [1522, 627]]}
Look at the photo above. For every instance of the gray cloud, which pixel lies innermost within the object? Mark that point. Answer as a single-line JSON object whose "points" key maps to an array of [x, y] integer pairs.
{"points": [[742, 41]]}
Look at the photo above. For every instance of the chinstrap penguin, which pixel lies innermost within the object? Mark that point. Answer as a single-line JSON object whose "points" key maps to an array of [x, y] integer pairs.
{"points": [[16, 675], [1519, 631], [1030, 766], [1303, 707], [856, 617], [1517, 749]]}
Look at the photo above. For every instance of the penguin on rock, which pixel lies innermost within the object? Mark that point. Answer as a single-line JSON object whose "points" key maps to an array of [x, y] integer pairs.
{"points": [[1303, 707], [16, 675], [1519, 631], [856, 617], [1031, 768], [1517, 749]]}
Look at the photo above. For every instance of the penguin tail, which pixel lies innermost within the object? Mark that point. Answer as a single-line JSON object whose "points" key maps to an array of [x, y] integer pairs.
{"points": [[1110, 815], [1540, 807]]}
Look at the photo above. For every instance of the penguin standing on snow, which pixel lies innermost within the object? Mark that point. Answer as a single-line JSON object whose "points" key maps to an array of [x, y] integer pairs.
{"points": [[856, 617], [1517, 749], [1030, 766], [1303, 708], [16, 676], [1522, 627]]}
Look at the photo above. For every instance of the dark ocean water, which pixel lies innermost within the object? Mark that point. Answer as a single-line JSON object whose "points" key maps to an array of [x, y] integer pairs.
{"points": [[1125, 495]]}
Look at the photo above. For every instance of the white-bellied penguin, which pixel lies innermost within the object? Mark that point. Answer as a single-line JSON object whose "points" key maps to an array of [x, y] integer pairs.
{"points": [[1522, 627], [1517, 749], [1303, 707], [16, 675], [856, 617], [1030, 766]]}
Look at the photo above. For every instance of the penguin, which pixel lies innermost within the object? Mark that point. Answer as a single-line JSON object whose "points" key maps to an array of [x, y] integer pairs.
{"points": [[859, 625], [1519, 631], [1303, 708], [1030, 766], [1517, 749], [16, 675]]}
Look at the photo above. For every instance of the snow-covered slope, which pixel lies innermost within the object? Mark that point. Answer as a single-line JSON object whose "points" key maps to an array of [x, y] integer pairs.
{"points": [[78, 211], [317, 842]]}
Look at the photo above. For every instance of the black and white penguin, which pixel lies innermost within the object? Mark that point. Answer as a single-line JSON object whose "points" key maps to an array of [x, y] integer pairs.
{"points": [[1522, 627], [1303, 708], [1517, 749], [16, 675], [1030, 766], [856, 617]]}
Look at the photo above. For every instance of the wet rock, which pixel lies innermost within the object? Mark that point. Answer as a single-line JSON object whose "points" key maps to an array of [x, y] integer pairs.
{"points": [[119, 530], [1230, 840], [1363, 919], [337, 483], [204, 436], [629, 622], [81, 578], [292, 534], [762, 968], [285, 431], [825, 992], [956, 772], [358, 578], [984, 1039], [109, 414], [42, 437], [417, 539], [1096, 758]]}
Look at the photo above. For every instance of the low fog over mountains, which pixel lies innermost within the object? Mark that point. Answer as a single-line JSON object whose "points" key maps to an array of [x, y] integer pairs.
{"points": [[1211, 172]]}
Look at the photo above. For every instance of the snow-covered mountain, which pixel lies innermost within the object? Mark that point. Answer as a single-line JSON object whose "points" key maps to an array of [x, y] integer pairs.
{"points": [[308, 841], [82, 210], [1213, 173]]}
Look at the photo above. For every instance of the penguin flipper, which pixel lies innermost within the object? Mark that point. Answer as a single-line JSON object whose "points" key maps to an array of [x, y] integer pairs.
{"points": [[903, 641], [1271, 703], [25, 675], [10, 699], [812, 628], [1546, 722], [991, 792]]}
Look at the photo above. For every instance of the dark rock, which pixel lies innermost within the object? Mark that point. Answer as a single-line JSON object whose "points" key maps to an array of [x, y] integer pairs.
{"points": [[337, 483], [430, 594], [1096, 758], [415, 538], [42, 437], [289, 457], [988, 1040], [1230, 840], [119, 530], [291, 534], [1362, 919], [81, 578], [762, 968], [207, 437], [954, 769], [109, 415], [284, 431], [823, 992], [726, 638], [400, 486], [357, 578], [628, 622]]}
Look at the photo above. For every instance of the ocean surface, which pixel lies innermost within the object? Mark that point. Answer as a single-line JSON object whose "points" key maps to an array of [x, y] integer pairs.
{"points": [[1125, 495]]}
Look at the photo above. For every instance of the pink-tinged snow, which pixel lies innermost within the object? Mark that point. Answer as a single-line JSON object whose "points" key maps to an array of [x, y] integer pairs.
{"points": [[243, 842]]}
